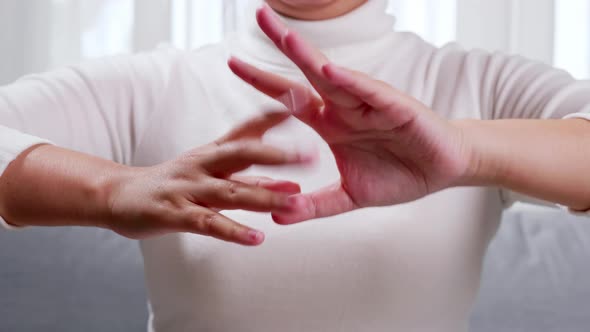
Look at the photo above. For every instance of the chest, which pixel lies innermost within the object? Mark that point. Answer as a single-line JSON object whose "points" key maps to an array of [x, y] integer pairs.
{"points": [[452, 221], [387, 261]]}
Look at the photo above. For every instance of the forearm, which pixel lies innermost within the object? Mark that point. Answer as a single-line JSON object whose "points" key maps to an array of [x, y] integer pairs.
{"points": [[546, 159], [50, 186]]}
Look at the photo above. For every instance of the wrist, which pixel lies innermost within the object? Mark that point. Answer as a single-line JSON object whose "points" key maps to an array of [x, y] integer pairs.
{"points": [[52, 186], [483, 157], [106, 188]]}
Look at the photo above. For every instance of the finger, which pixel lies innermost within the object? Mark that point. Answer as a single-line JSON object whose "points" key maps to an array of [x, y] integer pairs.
{"points": [[232, 195], [270, 84], [270, 24], [307, 57], [255, 128], [384, 99], [326, 202], [303, 103], [237, 156], [281, 186], [311, 60], [206, 222]]}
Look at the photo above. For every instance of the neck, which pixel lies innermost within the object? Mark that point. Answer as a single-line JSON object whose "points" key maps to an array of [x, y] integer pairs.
{"points": [[313, 12], [363, 28]]}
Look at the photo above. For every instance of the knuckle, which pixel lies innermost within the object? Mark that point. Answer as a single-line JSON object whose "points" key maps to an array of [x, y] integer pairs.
{"points": [[190, 157], [232, 191], [206, 223], [185, 164], [248, 146], [228, 150], [220, 141], [258, 182], [233, 232], [232, 188], [313, 200]]}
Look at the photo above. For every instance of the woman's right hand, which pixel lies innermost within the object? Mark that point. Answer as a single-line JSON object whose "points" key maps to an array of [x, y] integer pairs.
{"points": [[187, 193]]}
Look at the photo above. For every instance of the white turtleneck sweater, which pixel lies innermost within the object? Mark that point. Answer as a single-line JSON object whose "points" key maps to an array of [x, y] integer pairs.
{"points": [[413, 267]]}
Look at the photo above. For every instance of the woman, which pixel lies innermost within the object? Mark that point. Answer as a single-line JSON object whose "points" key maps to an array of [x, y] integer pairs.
{"points": [[401, 267]]}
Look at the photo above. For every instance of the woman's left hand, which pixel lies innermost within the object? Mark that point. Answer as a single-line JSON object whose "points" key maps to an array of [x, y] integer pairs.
{"points": [[389, 147]]}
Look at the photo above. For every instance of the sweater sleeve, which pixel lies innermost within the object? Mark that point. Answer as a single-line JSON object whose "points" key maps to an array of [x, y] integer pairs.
{"points": [[100, 107], [524, 89]]}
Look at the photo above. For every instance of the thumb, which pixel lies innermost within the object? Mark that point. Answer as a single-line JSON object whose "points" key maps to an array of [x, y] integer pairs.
{"points": [[326, 202]]}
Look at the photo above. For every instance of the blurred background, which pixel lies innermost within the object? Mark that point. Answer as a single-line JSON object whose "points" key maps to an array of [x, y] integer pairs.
{"points": [[40, 34], [536, 276]]}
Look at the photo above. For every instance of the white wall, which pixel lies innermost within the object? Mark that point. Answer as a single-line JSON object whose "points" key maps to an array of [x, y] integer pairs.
{"points": [[24, 37], [37, 34], [572, 36], [514, 26]]}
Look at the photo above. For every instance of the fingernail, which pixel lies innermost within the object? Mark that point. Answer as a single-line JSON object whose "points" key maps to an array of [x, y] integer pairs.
{"points": [[308, 157], [298, 211], [300, 157], [255, 236], [311, 156]]}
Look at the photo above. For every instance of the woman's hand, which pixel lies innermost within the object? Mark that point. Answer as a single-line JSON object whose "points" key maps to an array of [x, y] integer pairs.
{"points": [[186, 194], [389, 147]]}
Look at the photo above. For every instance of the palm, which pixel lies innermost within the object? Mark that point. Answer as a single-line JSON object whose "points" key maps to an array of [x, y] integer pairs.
{"points": [[373, 174], [394, 164], [389, 147]]}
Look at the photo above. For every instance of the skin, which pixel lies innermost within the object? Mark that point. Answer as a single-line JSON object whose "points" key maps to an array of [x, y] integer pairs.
{"points": [[181, 195], [382, 139], [314, 9], [390, 148]]}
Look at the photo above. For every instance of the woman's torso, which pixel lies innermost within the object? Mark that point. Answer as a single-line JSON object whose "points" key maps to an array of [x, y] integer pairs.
{"points": [[412, 267]]}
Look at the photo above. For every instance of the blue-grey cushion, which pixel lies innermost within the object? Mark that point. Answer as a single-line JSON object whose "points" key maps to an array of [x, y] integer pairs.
{"points": [[536, 274], [70, 279]]}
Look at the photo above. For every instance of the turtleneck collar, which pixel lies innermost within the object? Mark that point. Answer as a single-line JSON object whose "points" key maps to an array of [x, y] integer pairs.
{"points": [[367, 23]]}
